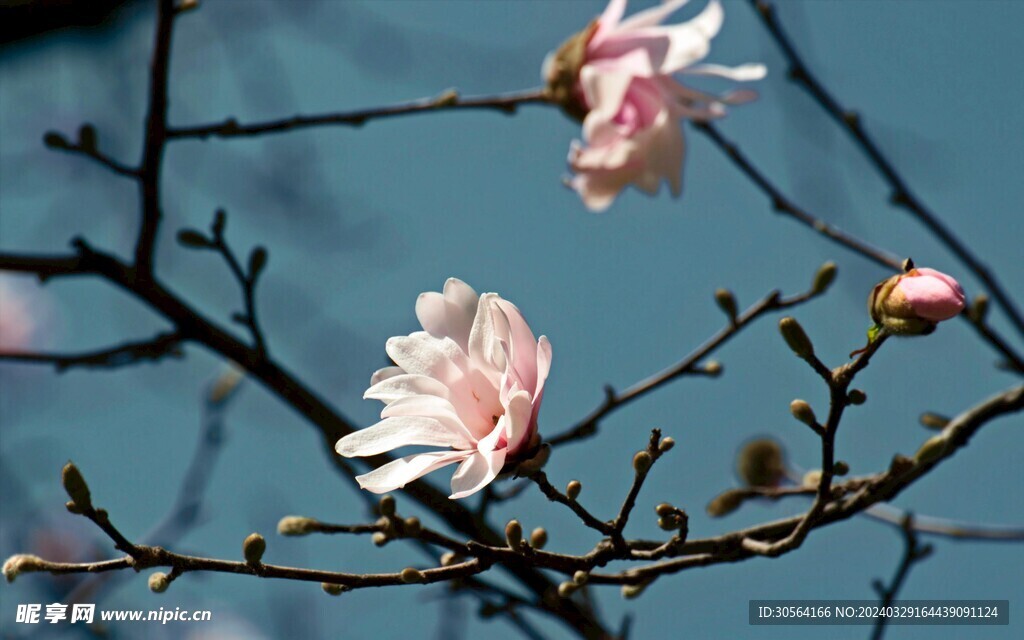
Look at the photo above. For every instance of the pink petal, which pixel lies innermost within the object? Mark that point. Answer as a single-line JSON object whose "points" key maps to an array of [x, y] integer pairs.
{"points": [[517, 419], [523, 345], [383, 374], [609, 19], [933, 295], [431, 312], [398, 473], [420, 353], [460, 309], [442, 411], [742, 73], [402, 431], [476, 472]]}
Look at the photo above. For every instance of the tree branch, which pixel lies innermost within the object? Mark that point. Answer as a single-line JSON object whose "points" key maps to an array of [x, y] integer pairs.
{"points": [[912, 554], [128, 353]]}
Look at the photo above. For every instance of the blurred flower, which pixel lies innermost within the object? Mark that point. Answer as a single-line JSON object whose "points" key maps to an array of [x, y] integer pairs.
{"points": [[912, 303], [472, 380], [617, 77], [26, 315]]}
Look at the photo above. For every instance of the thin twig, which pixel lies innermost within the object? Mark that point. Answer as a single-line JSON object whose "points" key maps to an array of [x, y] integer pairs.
{"points": [[587, 427], [447, 101], [163, 345], [912, 554], [902, 196]]}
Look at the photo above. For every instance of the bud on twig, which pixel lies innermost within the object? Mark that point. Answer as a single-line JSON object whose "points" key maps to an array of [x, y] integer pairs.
{"points": [[840, 468], [387, 506], [580, 578], [725, 503], [666, 444], [713, 368], [856, 397], [803, 412], [566, 589], [933, 420], [761, 463], [296, 526], [449, 558], [931, 450], [727, 303], [796, 338], [642, 462], [412, 576], [539, 538], [978, 309], [664, 509], [633, 591], [812, 479], [76, 488], [333, 589], [823, 278], [21, 563], [412, 526], [158, 582], [572, 490], [253, 549], [514, 535], [379, 538]]}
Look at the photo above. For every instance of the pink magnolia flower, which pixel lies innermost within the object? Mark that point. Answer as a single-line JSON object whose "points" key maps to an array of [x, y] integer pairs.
{"points": [[618, 77], [914, 302], [471, 381]]}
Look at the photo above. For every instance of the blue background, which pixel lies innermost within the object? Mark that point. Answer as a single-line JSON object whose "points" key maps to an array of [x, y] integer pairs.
{"points": [[359, 222]]}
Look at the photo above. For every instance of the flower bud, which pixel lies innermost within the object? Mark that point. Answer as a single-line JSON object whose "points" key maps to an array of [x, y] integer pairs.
{"points": [[666, 444], [332, 589], [840, 468], [900, 464], [253, 548], [931, 450], [761, 463], [412, 526], [669, 523], [580, 577], [803, 412], [933, 420], [158, 582], [632, 591], [572, 490], [796, 338], [823, 278], [412, 576], [725, 503], [539, 538], [812, 479], [87, 137], [296, 526], [727, 303], [856, 397], [664, 509], [386, 506], [379, 538], [713, 368], [22, 563], [913, 303], [55, 140], [642, 462], [449, 558], [514, 534], [566, 589], [76, 487], [561, 73]]}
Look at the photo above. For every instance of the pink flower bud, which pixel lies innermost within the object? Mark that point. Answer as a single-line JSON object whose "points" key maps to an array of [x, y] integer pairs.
{"points": [[913, 303]]}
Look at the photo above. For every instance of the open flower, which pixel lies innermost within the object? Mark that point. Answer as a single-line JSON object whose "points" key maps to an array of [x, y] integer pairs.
{"points": [[912, 303], [471, 381], [617, 76]]}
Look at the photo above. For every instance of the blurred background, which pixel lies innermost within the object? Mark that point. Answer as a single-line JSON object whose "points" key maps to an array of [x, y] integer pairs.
{"points": [[360, 221]]}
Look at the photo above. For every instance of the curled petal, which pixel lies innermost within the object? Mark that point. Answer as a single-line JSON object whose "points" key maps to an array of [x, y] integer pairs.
{"points": [[404, 385], [398, 473], [476, 472]]}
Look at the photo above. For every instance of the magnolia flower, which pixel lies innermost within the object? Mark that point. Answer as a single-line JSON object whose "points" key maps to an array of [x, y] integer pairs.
{"points": [[471, 381], [912, 303], [617, 76]]}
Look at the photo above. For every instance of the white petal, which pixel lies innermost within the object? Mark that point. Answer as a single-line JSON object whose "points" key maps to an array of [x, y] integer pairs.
{"points": [[476, 473], [608, 21], [430, 311], [460, 309], [385, 373], [517, 419], [401, 386], [543, 364], [489, 327], [401, 431], [742, 73], [397, 473], [422, 354], [431, 407]]}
